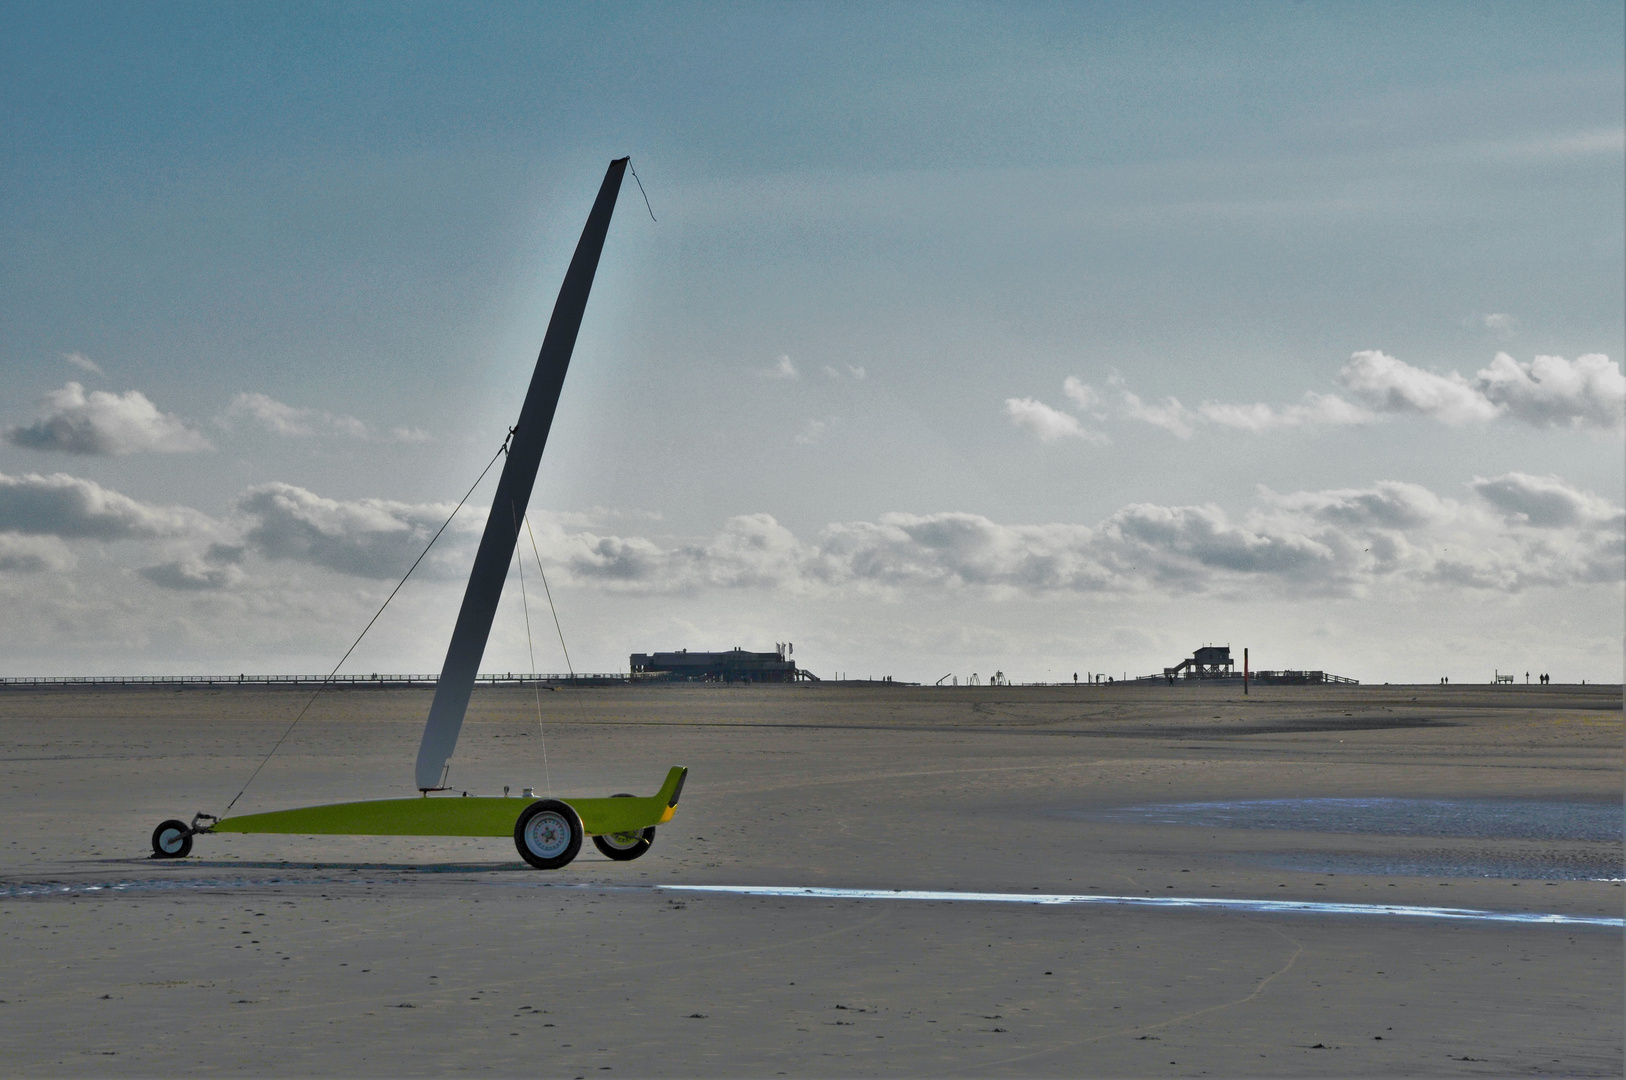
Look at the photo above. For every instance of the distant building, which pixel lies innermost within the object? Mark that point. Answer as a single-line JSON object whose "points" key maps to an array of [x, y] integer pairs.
{"points": [[1208, 662], [1215, 662], [733, 666]]}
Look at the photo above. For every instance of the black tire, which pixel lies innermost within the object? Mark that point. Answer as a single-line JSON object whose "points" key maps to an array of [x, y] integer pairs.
{"points": [[171, 840], [627, 846], [548, 834]]}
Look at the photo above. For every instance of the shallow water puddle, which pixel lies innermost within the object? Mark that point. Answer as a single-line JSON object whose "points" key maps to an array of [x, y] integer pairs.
{"points": [[1271, 907], [49, 890]]}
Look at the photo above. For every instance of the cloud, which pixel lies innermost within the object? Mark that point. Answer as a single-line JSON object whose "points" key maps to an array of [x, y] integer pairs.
{"points": [[1498, 323], [373, 538], [271, 414], [957, 550], [1394, 386], [1549, 391], [33, 554], [1547, 502], [1171, 416], [83, 363], [750, 551], [1041, 421], [296, 422], [1189, 545], [1529, 532], [1317, 410], [812, 432], [215, 568], [1517, 532], [1082, 394], [783, 368], [1047, 424], [67, 506], [102, 423], [853, 371], [1553, 392], [1389, 505]]}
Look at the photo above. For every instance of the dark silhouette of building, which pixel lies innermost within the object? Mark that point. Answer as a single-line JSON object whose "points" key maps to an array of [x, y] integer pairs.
{"points": [[1208, 662], [733, 666], [1214, 662]]}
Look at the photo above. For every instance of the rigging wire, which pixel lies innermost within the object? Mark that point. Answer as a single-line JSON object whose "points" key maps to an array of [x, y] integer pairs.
{"points": [[641, 190], [563, 648], [536, 688], [501, 450]]}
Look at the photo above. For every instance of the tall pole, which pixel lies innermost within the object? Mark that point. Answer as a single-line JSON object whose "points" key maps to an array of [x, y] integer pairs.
{"points": [[1244, 672]]}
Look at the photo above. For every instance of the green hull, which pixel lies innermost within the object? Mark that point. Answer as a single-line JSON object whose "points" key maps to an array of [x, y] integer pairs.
{"points": [[451, 816]]}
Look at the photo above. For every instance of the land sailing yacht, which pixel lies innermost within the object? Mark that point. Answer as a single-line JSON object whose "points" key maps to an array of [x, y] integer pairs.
{"points": [[548, 832]]}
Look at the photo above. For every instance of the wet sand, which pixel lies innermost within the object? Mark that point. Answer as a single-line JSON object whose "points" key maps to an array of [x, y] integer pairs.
{"points": [[271, 955]]}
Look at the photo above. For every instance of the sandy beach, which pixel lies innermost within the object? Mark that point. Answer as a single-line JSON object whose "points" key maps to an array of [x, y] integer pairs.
{"points": [[286, 955]]}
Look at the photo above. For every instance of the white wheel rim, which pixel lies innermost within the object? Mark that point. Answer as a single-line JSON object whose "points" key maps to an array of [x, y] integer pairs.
{"points": [[170, 840], [547, 834], [623, 841]]}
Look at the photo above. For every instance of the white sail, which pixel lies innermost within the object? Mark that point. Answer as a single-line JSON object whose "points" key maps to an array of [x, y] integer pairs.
{"points": [[530, 435]]}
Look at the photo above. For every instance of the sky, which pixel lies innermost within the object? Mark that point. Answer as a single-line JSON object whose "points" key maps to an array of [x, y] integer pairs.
{"points": [[954, 338]]}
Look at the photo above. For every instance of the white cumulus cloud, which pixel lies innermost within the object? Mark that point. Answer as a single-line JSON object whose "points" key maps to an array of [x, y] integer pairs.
{"points": [[83, 363], [33, 554], [1082, 394], [1547, 502], [68, 506], [375, 538], [1516, 531], [74, 422], [1394, 386], [1499, 323], [1553, 392], [215, 568], [783, 368], [293, 421], [1045, 423], [812, 432], [1171, 416], [273, 415], [1316, 410], [1549, 391], [1527, 532]]}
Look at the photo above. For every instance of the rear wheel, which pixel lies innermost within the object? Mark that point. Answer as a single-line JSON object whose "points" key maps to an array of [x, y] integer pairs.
{"points": [[548, 834], [171, 840], [624, 846]]}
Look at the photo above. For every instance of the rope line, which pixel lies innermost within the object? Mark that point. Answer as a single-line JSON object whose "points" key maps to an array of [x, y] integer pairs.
{"points": [[328, 678], [641, 190], [544, 573], [530, 649]]}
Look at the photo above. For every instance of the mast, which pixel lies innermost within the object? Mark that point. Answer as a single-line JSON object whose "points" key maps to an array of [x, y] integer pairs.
{"points": [[529, 436]]}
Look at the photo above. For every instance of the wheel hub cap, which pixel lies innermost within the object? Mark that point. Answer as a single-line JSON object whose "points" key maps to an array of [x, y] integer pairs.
{"points": [[547, 834]]}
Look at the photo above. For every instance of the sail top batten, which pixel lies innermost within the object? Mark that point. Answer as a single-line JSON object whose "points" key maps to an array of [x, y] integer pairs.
{"points": [[525, 446]]}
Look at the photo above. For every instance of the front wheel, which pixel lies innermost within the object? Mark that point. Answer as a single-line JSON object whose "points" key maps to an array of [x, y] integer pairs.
{"points": [[548, 834], [171, 840]]}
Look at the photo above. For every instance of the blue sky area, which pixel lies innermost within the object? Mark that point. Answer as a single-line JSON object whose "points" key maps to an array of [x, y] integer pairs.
{"points": [[1038, 338]]}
